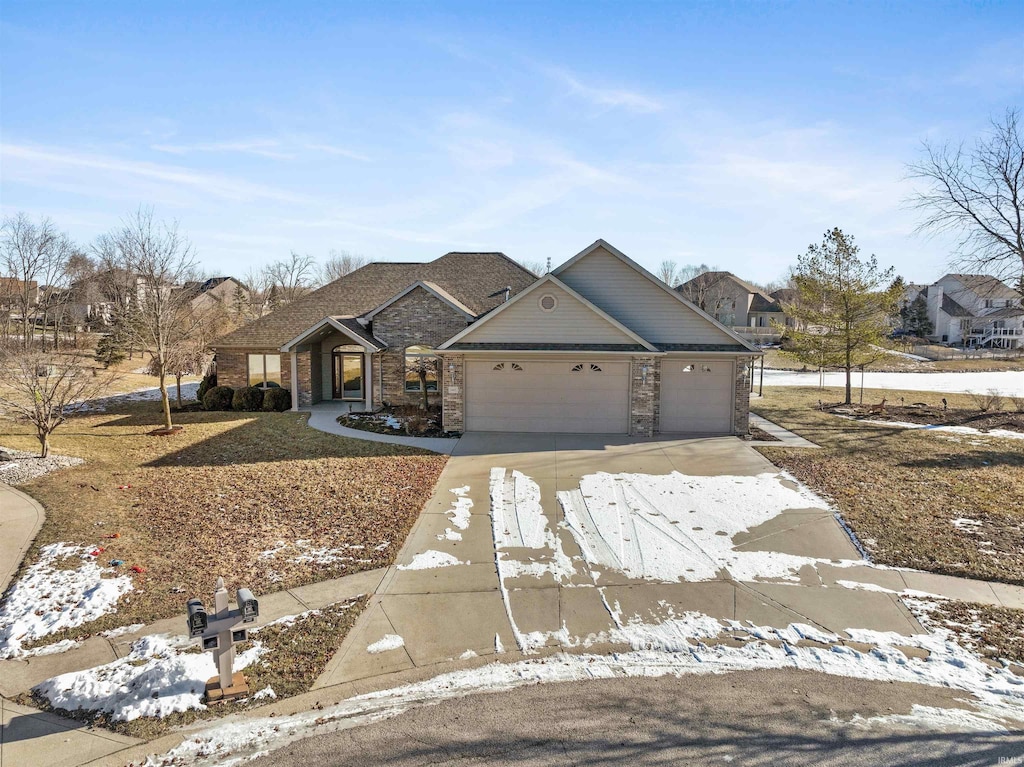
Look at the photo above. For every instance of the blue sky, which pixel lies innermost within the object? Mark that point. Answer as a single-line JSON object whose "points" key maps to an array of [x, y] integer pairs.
{"points": [[728, 133]]}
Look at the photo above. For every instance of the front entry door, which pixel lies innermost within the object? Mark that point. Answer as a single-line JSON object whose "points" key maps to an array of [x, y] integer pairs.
{"points": [[348, 377]]}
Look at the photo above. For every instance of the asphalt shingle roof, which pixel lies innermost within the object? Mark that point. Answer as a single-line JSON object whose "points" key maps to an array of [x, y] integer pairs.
{"points": [[468, 277]]}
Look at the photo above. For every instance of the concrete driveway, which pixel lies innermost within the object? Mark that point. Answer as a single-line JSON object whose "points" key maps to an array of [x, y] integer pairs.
{"points": [[518, 576]]}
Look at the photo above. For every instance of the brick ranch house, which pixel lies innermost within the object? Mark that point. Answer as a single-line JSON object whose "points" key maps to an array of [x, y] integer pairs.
{"points": [[599, 345]]}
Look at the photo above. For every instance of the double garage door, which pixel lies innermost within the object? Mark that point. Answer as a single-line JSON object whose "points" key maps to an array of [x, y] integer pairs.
{"points": [[592, 396], [570, 396]]}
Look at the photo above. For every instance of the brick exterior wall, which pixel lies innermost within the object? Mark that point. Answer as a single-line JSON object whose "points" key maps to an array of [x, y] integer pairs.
{"points": [[453, 388], [644, 393], [305, 377], [232, 367], [741, 405], [419, 318]]}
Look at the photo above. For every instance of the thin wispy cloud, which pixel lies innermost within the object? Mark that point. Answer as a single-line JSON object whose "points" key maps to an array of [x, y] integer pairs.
{"points": [[42, 166], [268, 148], [338, 151], [608, 97]]}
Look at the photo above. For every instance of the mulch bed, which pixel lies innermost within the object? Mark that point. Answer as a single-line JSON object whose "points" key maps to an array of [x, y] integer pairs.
{"points": [[933, 415], [415, 423]]}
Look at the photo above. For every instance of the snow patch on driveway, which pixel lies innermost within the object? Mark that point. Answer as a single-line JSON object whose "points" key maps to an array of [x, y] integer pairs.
{"points": [[430, 559], [385, 643], [676, 527]]}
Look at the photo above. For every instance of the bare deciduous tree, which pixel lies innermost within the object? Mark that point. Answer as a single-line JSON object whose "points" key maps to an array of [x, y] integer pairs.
{"points": [[161, 259], [340, 263], [977, 193], [701, 285], [33, 258], [668, 273], [46, 388], [291, 278], [535, 268]]}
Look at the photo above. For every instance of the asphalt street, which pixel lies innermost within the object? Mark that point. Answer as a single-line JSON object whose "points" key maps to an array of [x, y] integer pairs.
{"points": [[777, 718]]}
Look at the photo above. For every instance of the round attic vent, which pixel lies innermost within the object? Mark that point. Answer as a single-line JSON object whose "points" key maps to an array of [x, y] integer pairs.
{"points": [[547, 303]]}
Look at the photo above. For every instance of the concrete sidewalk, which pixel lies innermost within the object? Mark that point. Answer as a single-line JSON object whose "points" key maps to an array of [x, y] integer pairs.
{"points": [[21, 516]]}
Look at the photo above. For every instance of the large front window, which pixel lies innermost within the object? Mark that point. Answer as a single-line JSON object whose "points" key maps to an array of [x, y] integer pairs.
{"points": [[265, 370], [420, 369]]}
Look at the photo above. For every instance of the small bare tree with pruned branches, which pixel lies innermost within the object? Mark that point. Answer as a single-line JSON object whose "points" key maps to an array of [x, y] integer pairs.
{"points": [[46, 388]]}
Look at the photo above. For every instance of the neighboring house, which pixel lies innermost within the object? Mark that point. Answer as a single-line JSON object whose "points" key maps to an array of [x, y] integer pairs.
{"points": [[599, 345], [746, 309], [13, 293], [972, 310], [216, 292]]}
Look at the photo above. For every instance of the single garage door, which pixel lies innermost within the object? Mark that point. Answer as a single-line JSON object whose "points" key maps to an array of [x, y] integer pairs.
{"points": [[696, 396], [571, 396]]}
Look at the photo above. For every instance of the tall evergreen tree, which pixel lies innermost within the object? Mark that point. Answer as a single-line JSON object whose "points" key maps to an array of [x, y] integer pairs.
{"points": [[844, 303]]}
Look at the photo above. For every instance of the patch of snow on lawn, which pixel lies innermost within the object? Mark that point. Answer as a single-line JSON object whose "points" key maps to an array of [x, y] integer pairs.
{"points": [[679, 527], [393, 423], [1000, 433], [154, 679], [430, 559], [999, 694], [48, 598], [303, 552], [387, 642], [1008, 383], [267, 693]]}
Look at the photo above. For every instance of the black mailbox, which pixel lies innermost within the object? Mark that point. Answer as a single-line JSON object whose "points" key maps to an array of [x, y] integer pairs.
{"points": [[248, 605], [197, 618]]}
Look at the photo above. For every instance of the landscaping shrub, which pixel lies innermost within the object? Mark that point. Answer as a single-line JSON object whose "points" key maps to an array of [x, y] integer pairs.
{"points": [[991, 400], [218, 398], [277, 400], [248, 399], [209, 381]]}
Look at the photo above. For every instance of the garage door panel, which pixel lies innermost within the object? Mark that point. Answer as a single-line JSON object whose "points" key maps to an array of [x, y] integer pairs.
{"points": [[696, 396], [547, 397]]}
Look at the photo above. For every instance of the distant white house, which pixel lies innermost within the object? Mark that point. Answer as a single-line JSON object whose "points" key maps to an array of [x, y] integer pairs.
{"points": [[972, 310]]}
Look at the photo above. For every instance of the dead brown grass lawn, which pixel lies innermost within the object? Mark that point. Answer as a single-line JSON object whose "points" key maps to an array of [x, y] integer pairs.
{"points": [[993, 632], [208, 501], [901, 490]]}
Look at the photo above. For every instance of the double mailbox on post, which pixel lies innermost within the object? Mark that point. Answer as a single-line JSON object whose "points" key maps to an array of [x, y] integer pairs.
{"points": [[219, 634]]}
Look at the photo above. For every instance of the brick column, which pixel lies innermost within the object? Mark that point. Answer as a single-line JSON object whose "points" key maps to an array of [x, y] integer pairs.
{"points": [[453, 389], [304, 384], [741, 405], [643, 400]]}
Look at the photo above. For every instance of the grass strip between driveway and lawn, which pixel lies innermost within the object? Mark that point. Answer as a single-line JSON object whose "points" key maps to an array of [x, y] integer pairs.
{"points": [[938, 501]]}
